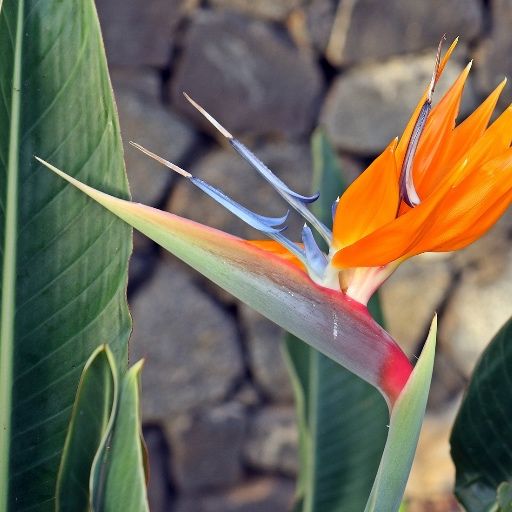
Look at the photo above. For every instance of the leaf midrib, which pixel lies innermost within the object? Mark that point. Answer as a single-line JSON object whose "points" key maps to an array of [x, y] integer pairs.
{"points": [[9, 266]]}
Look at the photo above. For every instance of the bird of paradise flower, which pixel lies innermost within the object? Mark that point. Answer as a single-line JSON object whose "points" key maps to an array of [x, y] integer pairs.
{"points": [[437, 188]]}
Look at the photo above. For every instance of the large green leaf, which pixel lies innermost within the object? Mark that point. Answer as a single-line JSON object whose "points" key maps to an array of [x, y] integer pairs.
{"points": [[481, 440], [342, 419], [118, 480], [96, 399], [404, 430], [63, 260]]}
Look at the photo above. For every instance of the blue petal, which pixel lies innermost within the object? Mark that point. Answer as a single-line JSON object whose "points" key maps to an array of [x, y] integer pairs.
{"points": [[265, 224], [268, 174], [316, 259], [291, 246], [292, 198]]}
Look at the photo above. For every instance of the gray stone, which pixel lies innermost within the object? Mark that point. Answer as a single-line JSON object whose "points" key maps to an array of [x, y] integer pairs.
{"points": [[190, 346], [261, 494], [484, 261], [247, 75], [229, 172], [143, 82], [137, 32], [158, 485], [319, 19], [370, 105], [206, 447], [147, 122], [479, 307], [373, 29], [265, 347], [265, 9], [411, 296], [272, 441], [493, 59]]}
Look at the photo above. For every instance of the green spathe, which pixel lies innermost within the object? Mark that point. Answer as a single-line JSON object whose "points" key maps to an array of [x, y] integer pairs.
{"points": [[404, 430]]}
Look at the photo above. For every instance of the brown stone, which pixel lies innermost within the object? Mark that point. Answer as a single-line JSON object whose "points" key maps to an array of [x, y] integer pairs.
{"points": [[272, 441], [189, 363], [247, 75], [411, 297], [265, 347], [206, 447], [493, 58], [146, 121], [368, 106], [264, 9], [137, 32], [372, 29], [261, 494]]}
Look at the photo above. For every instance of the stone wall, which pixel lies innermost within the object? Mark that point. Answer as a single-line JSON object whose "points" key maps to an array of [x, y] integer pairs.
{"points": [[217, 403]]}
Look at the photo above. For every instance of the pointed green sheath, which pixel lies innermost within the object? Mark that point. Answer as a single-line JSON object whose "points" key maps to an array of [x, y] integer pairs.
{"points": [[95, 399], [63, 260], [102, 466], [118, 479], [337, 326], [404, 430]]}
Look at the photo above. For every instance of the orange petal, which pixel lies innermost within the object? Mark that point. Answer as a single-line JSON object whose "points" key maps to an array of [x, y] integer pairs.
{"points": [[493, 143], [433, 142], [471, 208], [389, 243], [370, 202], [470, 130], [278, 250], [404, 140]]}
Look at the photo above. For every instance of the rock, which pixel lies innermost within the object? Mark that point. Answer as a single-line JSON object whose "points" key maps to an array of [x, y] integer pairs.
{"points": [[447, 380], [261, 494], [351, 167], [139, 33], [484, 261], [265, 346], [265, 9], [372, 29], [229, 172], [493, 59], [319, 16], [476, 311], [158, 486], [272, 441], [144, 83], [370, 105], [247, 75], [206, 447], [147, 122], [189, 363], [411, 296]]}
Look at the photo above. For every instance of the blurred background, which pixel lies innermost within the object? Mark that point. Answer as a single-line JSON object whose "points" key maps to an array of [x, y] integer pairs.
{"points": [[217, 403]]}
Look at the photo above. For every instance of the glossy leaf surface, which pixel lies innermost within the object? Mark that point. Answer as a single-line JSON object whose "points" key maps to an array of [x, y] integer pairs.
{"points": [[481, 437], [342, 419], [63, 259]]}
